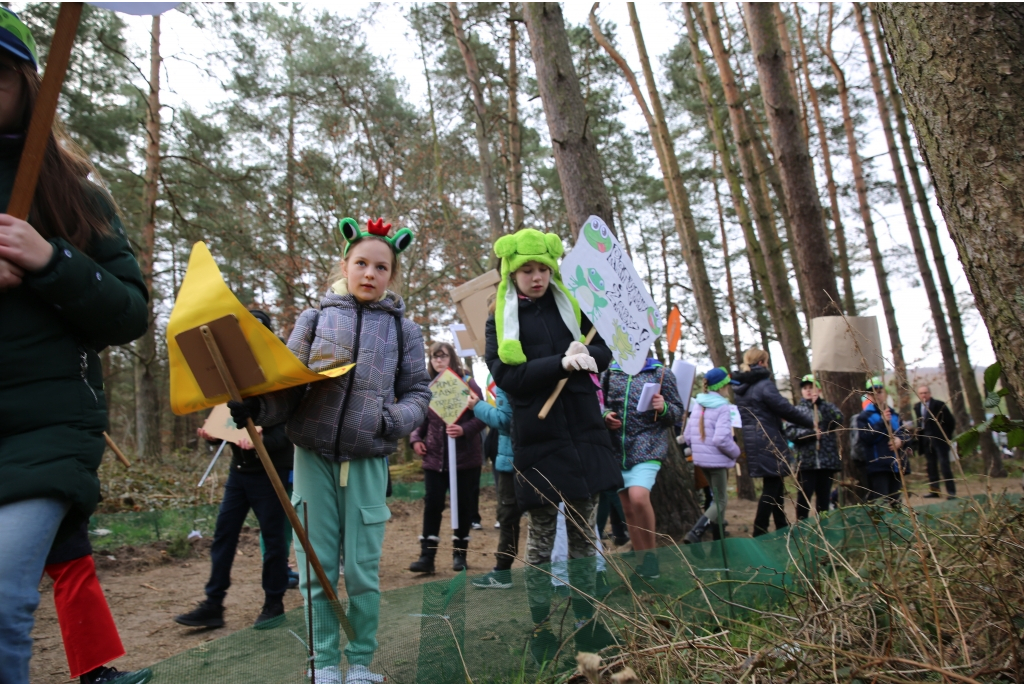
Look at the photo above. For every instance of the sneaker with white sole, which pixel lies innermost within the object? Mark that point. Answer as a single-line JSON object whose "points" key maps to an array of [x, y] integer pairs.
{"points": [[494, 580], [358, 673], [328, 674]]}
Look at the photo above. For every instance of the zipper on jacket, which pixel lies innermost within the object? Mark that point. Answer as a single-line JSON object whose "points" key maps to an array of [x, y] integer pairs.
{"points": [[625, 411], [84, 366], [351, 378]]}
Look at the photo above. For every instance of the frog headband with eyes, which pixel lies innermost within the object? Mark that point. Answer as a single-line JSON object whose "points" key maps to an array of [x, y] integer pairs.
{"points": [[350, 232]]}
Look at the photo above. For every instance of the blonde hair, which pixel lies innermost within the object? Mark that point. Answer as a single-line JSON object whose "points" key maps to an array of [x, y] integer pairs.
{"points": [[753, 357]]}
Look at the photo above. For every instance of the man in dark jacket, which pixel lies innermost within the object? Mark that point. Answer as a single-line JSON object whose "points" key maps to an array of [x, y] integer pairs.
{"points": [[762, 410], [249, 487], [935, 428]]}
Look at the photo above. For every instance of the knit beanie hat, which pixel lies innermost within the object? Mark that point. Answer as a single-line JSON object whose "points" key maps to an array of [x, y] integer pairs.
{"points": [[528, 245], [717, 378]]}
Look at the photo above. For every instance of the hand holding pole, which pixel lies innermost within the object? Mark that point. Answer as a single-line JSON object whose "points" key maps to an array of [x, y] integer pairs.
{"points": [[561, 384]]}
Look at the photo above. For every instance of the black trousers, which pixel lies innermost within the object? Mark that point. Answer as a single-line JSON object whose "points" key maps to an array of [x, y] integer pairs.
{"points": [[937, 457], [815, 483], [771, 505], [509, 515], [887, 485], [242, 492], [610, 506], [436, 486]]}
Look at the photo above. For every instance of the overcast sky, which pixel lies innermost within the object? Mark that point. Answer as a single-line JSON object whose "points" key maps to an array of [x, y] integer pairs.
{"points": [[184, 46]]}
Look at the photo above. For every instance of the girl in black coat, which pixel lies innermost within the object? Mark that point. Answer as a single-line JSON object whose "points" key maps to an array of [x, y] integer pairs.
{"points": [[762, 410], [533, 342]]}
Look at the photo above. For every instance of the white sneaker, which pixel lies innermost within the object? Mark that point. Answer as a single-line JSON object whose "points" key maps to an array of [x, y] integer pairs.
{"points": [[358, 673], [476, 526], [327, 674], [497, 524]]}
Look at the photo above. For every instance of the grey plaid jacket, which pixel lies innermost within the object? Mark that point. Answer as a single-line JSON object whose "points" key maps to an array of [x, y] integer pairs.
{"points": [[378, 408]]}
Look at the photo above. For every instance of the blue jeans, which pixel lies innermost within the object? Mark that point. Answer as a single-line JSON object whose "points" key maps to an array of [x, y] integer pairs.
{"points": [[242, 492], [27, 529]]}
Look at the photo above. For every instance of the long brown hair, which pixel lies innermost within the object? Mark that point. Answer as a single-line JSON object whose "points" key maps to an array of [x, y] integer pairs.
{"points": [[67, 203], [454, 363]]}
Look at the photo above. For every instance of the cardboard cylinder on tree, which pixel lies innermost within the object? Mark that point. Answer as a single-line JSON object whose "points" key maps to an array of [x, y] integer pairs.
{"points": [[846, 343]]}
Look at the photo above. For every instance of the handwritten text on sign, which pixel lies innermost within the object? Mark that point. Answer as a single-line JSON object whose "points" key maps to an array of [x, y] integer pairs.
{"points": [[450, 396], [611, 294]]}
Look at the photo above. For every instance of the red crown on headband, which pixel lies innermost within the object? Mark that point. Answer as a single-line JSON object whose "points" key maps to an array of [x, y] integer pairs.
{"points": [[378, 227]]}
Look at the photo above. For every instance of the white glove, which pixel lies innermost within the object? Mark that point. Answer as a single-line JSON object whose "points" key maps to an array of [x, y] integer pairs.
{"points": [[579, 362], [576, 347]]}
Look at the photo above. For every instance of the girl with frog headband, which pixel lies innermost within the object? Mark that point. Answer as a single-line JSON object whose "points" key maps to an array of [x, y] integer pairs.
{"points": [[345, 428]]}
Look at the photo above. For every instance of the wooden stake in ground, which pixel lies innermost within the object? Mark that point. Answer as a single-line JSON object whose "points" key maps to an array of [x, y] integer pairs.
{"points": [[275, 480]]}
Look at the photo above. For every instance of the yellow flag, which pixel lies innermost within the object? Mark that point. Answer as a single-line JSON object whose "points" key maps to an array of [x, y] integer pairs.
{"points": [[205, 297]]}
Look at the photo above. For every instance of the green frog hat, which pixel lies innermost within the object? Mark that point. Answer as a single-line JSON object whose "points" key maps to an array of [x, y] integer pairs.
{"points": [[528, 245]]}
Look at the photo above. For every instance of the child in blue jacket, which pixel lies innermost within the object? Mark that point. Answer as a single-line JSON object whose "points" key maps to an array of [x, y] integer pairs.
{"points": [[499, 418], [882, 444]]}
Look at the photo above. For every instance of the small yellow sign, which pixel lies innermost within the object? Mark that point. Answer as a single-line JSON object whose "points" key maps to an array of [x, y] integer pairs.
{"points": [[204, 297], [450, 396]]}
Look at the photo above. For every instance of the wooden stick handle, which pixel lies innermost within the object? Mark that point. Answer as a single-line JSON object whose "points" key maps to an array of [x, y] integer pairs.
{"points": [[117, 453], [275, 480], [39, 127], [561, 384]]}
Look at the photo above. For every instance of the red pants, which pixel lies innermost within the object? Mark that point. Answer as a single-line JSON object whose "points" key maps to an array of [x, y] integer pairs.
{"points": [[89, 633]]}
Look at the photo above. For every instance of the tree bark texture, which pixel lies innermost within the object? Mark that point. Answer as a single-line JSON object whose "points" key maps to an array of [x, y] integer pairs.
{"points": [[956, 395], [849, 304], [737, 349], [794, 162], [147, 402], [576, 156], [963, 87], [969, 382], [881, 277], [674, 496], [491, 198], [788, 327], [515, 135]]}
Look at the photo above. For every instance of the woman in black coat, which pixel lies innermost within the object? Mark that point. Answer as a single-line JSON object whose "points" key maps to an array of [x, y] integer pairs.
{"points": [[762, 410]]}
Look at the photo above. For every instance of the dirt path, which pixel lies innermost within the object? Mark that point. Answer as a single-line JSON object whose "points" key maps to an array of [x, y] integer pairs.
{"points": [[146, 588]]}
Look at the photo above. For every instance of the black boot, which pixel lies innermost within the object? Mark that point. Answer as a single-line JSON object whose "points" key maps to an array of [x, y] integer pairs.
{"points": [[207, 615], [695, 534], [459, 553], [428, 550], [717, 534], [271, 616]]}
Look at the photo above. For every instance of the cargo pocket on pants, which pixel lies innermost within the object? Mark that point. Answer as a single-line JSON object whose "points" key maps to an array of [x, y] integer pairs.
{"points": [[371, 537]]}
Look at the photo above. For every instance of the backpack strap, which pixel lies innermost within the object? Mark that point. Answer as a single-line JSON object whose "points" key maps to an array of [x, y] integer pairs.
{"points": [[400, 337]]}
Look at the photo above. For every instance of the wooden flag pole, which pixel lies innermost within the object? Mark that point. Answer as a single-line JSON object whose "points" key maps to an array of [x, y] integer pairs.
{"points": [[117, 453], [561, 384], [275, 480], [39, 127]]}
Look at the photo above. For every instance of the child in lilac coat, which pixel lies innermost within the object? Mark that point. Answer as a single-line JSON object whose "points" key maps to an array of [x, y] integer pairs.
{"points": [[709, 434]]}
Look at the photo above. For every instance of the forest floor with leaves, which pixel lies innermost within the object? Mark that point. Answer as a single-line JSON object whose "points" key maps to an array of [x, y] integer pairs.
{"points": [[146, 586]]}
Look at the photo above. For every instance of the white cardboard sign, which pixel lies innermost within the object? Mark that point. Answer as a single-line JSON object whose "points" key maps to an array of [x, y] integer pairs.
{"points": [[612, 295]]}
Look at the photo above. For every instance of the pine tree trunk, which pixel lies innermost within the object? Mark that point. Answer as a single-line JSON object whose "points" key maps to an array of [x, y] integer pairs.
{"points": [[881, 276], [969, 382], [956, 395], [491, 198], [788, 327], [147, 402], [575, 150], [849, 305], [962, 75], [515, 135], [674, 495], [738, 353]]}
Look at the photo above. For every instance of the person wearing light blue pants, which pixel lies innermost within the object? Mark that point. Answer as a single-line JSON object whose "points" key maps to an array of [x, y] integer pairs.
{"points": [[349, 516], [28, 526]]}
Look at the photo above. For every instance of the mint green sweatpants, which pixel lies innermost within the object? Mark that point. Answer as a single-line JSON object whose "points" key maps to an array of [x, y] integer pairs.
{"points": [[344, 522]]}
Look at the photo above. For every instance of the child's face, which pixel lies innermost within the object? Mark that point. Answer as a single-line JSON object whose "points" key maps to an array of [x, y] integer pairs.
{"points": [[368, 269], [810, 392], [440, 360], [533, 279]]}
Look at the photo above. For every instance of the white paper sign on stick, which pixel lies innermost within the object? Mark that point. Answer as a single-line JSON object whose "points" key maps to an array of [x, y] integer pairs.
{"points": [[612, 295], [685, 373]]}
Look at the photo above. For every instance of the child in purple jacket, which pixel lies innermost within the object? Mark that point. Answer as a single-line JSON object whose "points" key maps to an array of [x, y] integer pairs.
{"points": [[709, 434]]}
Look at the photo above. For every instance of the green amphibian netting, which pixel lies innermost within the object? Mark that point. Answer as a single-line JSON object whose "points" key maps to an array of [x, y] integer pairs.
{"points": [[452, 632]]}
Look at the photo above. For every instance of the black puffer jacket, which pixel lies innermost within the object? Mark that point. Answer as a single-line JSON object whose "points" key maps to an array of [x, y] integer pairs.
{"points": [[762, 410], [568, 455]]}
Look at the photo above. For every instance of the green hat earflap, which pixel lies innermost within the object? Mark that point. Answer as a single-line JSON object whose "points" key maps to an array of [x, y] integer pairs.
{"points": [[398, 243]]}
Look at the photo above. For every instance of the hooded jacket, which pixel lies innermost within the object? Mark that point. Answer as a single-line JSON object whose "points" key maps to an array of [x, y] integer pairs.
{"points": [[433, 433], [568, 455], [365, 412], [718, 449], [812, 453], [499, 418], [762, 410], [874, 436], [52, 408], [643, 436]]}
